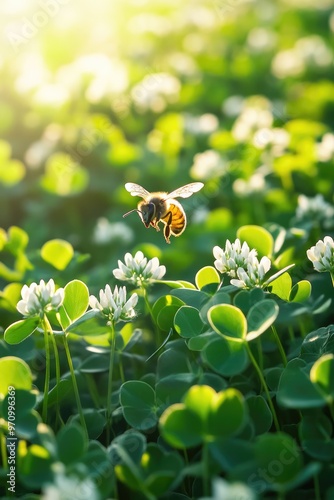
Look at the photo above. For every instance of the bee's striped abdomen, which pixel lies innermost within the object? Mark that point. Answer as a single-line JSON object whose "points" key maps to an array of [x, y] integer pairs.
{"points": [[179, 220]]}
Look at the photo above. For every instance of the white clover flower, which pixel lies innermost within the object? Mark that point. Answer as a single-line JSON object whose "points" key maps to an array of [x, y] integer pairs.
{"points": [[207, 165], [322, 255], [106, 232], [138, 270], [325, 148], [203, 124], [233, 257], [155, 92], [315, 209], [114, 304], [254, 276], [38, 299], [69, 487], [255, 184]]}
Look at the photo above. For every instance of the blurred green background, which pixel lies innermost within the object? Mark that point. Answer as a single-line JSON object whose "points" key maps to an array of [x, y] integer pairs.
{"points": [[237, 94]]}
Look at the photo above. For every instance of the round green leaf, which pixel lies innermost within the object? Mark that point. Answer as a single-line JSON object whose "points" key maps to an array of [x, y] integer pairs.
{"points": [[187, 322], [26, 425], [322, 374], [228, 320], [17, 240], [15, 373], [281, 286], [138, 404], [181, 427], [260, 414], [199, 399], [63, 176], [132, 442], [296, 389], [206, 276], [228, 414], [76, 299], [96, 363], [315, 433], [92, 323], [260, 317], [95, 422], [12, 172], [160, 469], [226, 357], [35, 467], [20, 330], [164, 310], [245, 299], [11, 294], [218, 298], [280, 457], [71, 443], [60, 391], [257, 237], [194, 298], [231, 453], [165, 318], [318, 343], [172, 362], [198, 343], [58, 253], [301, 291]]}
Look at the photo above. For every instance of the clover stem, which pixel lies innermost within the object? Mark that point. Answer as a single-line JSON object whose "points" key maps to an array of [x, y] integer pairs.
{"points": [[148, 305], [316, 487], [279, 345], [332, 277], [75, 386], [112, 340], [56, 354], [291, 333], [264, 385], [331, 410], [159, 341], [206, 473], [47, 329], [121, 370]]}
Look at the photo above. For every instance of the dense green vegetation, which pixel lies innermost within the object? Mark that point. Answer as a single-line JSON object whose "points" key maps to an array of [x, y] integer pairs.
{"points": [[130, 368]]}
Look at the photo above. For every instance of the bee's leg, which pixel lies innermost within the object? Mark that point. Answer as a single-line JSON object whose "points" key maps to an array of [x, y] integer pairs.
{"points": [[168, 222], [155, 225]]}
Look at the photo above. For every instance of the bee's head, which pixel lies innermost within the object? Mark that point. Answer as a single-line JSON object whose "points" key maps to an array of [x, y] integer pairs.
{"points": [[146, 212]]}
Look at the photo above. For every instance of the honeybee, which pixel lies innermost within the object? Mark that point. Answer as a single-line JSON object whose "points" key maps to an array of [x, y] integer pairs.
{"points": [[162, 207]]}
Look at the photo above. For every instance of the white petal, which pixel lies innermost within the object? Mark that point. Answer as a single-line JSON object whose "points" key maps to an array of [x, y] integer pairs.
{"points": [[159, 273], [22, 307], [328, 240], [93, 302], [218, 265], [217, 252], [265, 262], [33, 305], [310, 254], [119, 275], [318, 266], [238, 283], [25, 292], [139, 256], [128, 260]]}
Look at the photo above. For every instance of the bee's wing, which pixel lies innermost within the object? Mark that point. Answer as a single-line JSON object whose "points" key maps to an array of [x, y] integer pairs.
{"points": [[136, 190], [186, 191]]}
